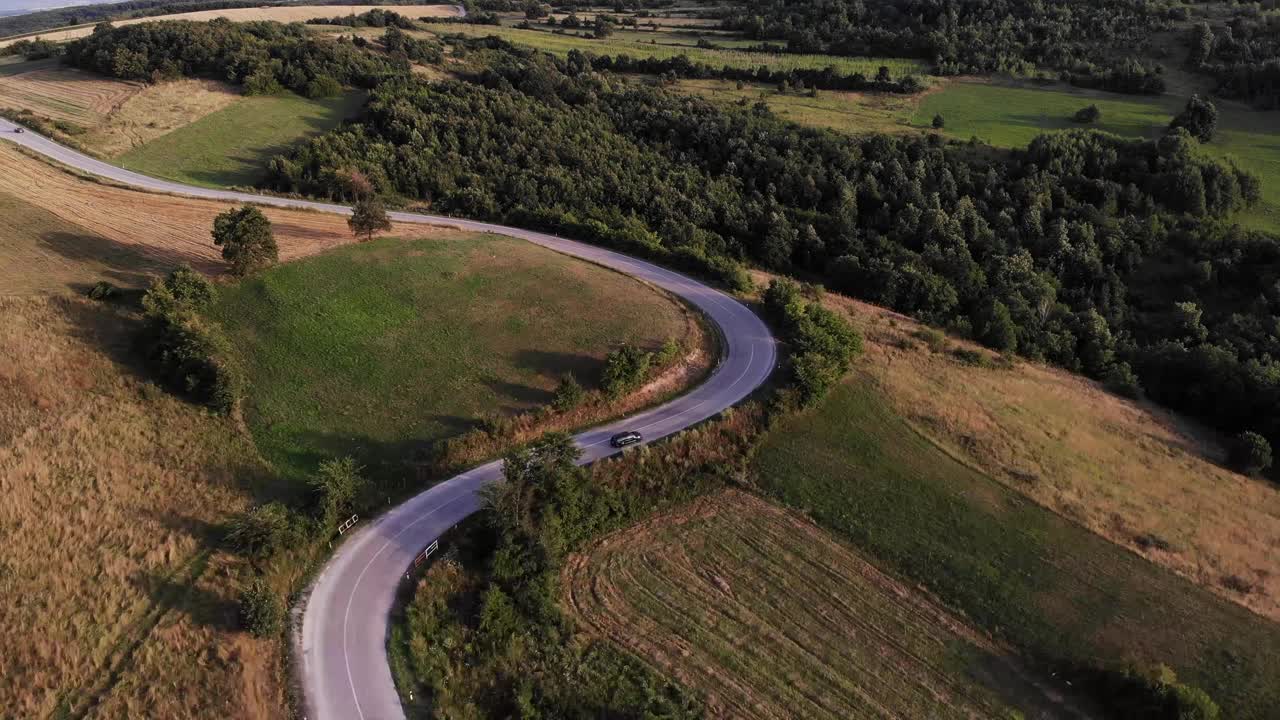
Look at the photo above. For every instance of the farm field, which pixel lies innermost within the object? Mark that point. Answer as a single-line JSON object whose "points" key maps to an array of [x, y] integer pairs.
{"points": [[155, 111], [111, 493], [230, 147], [1048, 586], [47, 88], [378, 349], [851, 112], [80, 231], [562, 44], [769, 617], [1133, 473], [296, 13]]}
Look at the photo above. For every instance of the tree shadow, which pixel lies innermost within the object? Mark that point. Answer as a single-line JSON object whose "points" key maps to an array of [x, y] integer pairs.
{"points": [[184, 595], [526, 395], [552, 364], [130, 266]]}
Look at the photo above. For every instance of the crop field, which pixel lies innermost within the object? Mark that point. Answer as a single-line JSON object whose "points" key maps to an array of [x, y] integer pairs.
{"points": [[154, 111], [770, 617], [378, 349], [47, 88], [76, 231], [117, 602], [297, 13], [1134, 473], [856, 113], [562, 44], [1048, 586], [230, 147]]}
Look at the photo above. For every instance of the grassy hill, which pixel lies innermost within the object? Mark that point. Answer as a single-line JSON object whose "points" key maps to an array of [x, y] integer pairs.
{"points": [[379, 349]]}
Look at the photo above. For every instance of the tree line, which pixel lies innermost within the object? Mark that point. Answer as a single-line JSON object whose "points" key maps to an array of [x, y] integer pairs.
{"points": [[1107, 256], [975, 36]]}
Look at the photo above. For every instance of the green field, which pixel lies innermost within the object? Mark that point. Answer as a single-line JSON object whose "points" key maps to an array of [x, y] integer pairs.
{"points": [[231, 146], [376, 349], [1052, 588], [1010, 116], [851, 112], [562, 44]]}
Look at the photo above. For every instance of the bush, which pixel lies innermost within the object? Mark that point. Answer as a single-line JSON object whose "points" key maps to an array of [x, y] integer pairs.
{"points": [[102, 290], [624, 370], [337, 485], [1155, 695], [190, 287], [261, 611], [569, 394], [1250, 453], [1121, 380], [938, 122], [261, 532], [814, 373], [1200, 118], [323, 86], [1087, 115]]}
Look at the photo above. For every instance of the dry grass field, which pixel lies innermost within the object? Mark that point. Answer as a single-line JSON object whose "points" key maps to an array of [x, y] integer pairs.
{"points": [[770, 617], [1131, 472], [61, 231], [109, 489], [155, 111], [296, 13], [47, 88]]}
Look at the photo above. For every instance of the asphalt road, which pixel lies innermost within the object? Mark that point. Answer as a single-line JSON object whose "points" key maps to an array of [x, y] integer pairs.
{"points": [[341, 650]]}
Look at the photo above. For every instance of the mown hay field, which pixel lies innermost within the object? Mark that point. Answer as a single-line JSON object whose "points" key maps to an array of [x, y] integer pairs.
{"points": [[292, 13], [771, 617], [47, 88]]}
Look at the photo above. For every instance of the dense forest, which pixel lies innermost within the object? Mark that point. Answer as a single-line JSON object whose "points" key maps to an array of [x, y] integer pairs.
{"points": [[1090, 43], [1244, 57]]}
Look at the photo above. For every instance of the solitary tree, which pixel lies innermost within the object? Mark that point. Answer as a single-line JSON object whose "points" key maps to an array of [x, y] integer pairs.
{"points": [[939, 122], [1251, 453], [1200, 118], [368, 218], [245, 238]]}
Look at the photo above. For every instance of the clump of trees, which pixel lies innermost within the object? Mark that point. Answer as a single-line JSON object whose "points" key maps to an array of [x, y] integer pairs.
{"points": [[188, 353], [246, 239], [1199, 118], [1243, 56], [375, 18], [1250, 453], [264, 57], [823, 345]]}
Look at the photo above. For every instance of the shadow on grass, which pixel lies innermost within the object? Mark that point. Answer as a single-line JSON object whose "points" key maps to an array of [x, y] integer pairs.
{"points": [[125, 265]]}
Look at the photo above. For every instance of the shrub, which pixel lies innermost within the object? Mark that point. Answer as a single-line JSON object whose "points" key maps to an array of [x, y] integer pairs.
{"points": [[1200, 118], [1250, 453], [624, 370], [245, 236], [337, 485], [569, 394], [190, 287], [939, 122], [323, 86], [261, 611], [261, 532], [102, 290], [1121, 380], [1087, 115], [814, 373]]}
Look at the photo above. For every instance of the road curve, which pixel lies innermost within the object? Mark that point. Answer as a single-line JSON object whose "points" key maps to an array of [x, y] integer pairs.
{"points": [[341, 651]]}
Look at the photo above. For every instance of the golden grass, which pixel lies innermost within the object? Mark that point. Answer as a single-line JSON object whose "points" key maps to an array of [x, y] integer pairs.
{"points": [[61, 93], [297, 13], [115, 604], [155, 111], [770, 617], [88, 231], [1131, 472]]}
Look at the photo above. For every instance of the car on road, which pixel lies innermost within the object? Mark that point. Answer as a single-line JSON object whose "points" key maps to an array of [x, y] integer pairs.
{"points": [[19, 130], [623, 439]]}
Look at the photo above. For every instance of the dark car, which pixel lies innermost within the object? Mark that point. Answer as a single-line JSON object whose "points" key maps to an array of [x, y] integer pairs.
{"points": [[623, 439], [18, 130]]}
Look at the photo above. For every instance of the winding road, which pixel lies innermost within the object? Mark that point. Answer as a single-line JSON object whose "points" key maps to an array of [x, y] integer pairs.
{"points": [[341, 648]]}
